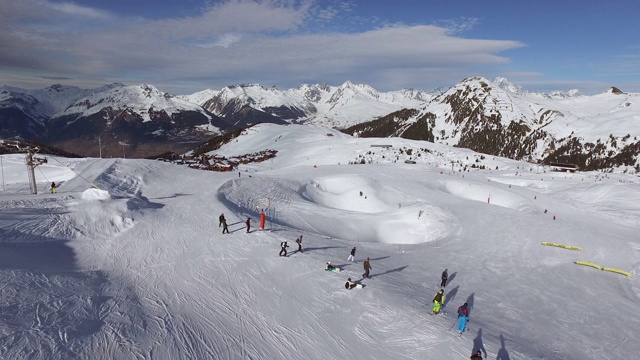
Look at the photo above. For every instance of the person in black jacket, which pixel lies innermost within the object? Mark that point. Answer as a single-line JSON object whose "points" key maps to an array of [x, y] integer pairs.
{"points": [[352, 257], [445, 276], [221, 219], [283, 248], [477, 355], [248, 222]]}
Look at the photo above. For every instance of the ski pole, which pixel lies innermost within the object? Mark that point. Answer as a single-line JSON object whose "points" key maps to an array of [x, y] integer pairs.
{"points": [[454, 324]]}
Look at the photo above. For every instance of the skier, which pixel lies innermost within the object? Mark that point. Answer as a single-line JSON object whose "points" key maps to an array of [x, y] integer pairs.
{"points": [[299, 242], [225, 229], [477, 355], [329, 266], [283, 248], [248, 222], [463, 317], [367, 267], [438, 300], [445, 276], [350, 284], [352, 257], [222, 219], [53, 188]]}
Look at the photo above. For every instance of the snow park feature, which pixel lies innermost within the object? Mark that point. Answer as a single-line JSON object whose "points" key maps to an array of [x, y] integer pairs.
{"points": [[145, 272], [568, 247], [596, 266]]}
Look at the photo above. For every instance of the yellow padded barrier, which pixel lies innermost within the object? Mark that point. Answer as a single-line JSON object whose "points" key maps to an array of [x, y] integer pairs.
{"points": [[589, 264], [562, 246], [617, 271]]}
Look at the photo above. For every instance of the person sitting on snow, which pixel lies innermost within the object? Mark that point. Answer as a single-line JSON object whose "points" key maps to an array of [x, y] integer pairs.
{"points": [[350, 284], [329, 266]]}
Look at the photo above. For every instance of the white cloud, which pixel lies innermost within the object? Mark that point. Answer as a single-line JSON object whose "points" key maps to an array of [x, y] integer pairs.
{"points": [[236, 41]]}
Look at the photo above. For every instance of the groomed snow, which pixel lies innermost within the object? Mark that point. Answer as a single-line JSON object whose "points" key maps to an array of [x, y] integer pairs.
{"points": [[127, 260]]}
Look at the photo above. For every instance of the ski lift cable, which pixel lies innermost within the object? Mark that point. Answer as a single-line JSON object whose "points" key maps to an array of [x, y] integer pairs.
{"points": [[78, 175]]}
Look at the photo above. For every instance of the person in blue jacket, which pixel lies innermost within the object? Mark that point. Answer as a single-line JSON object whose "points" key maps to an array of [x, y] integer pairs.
{"points": [[463, 317]]}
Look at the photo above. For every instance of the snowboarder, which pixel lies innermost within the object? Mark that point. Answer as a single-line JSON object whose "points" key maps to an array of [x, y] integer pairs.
{"points": [[222, 219], [463, 317], [248, 222], [352, 257], [283, 248], [350, 284], [53, 188], [445, 276], [225, 229], [299, 242], [329, 267], [438, 300], [477, 355], [367, 267]]}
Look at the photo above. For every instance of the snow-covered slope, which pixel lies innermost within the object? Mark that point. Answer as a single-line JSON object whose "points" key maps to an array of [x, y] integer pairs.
{"points": [[141, 99], [139, 269]]}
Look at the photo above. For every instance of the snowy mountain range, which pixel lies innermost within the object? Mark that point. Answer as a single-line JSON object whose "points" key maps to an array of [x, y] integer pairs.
{"points": [[498, 118], [494, 117]]}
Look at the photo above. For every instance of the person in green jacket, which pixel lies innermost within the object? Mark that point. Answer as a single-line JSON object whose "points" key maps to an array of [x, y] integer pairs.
{"points": [[438, 300]]}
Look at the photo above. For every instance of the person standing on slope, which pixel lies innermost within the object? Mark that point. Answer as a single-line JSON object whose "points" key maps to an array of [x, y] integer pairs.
{"points": [[438, 300], [477, 355], [283, 248], [352, 257], [463, 317], [225, 228], [299, 242], [445, 276], [367, 267], [248, 222], [221, 219], [53, 188]]}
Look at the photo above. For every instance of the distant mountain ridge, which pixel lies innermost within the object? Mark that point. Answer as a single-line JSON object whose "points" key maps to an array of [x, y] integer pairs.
{"points": [[493, 117], [498, 118]]}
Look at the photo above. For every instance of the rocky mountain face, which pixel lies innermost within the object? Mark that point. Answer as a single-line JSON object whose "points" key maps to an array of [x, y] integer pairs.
{"points": [[114, 120], [498, 118]]}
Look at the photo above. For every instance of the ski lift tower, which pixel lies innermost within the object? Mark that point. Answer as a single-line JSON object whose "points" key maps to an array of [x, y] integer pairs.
{"points": [[32, 163]]}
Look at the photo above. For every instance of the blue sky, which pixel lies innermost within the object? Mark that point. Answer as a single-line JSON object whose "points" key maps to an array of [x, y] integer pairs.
{"points": [[190, 45]]}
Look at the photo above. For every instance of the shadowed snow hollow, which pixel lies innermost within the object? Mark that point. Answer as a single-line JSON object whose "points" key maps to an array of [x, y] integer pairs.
{"points": [[354, 193]]}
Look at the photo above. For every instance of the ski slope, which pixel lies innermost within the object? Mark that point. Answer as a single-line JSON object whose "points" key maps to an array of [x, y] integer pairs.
{"points": [[136, 266]]}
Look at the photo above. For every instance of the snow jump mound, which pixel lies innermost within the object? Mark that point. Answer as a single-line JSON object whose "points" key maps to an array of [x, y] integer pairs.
{"points": [[353, 193], [487, 194]]}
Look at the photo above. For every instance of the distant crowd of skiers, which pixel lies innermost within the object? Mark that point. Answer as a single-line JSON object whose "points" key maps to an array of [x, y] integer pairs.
{"points": [[438, 298]]}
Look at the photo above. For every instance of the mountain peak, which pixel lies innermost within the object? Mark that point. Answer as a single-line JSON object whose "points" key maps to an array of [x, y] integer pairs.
{"points": [[615, 90]]}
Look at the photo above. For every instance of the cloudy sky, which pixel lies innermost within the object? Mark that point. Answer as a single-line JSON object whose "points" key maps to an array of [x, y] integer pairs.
{"points": [[190, 45]]}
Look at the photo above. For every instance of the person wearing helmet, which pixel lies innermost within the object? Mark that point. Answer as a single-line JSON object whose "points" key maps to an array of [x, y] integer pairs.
{"points": [[477, 355], [445, 276], [463, 317], [438, 300]]}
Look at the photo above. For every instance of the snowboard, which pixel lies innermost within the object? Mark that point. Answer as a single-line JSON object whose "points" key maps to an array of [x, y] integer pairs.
{"points": [[334, 270]]}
